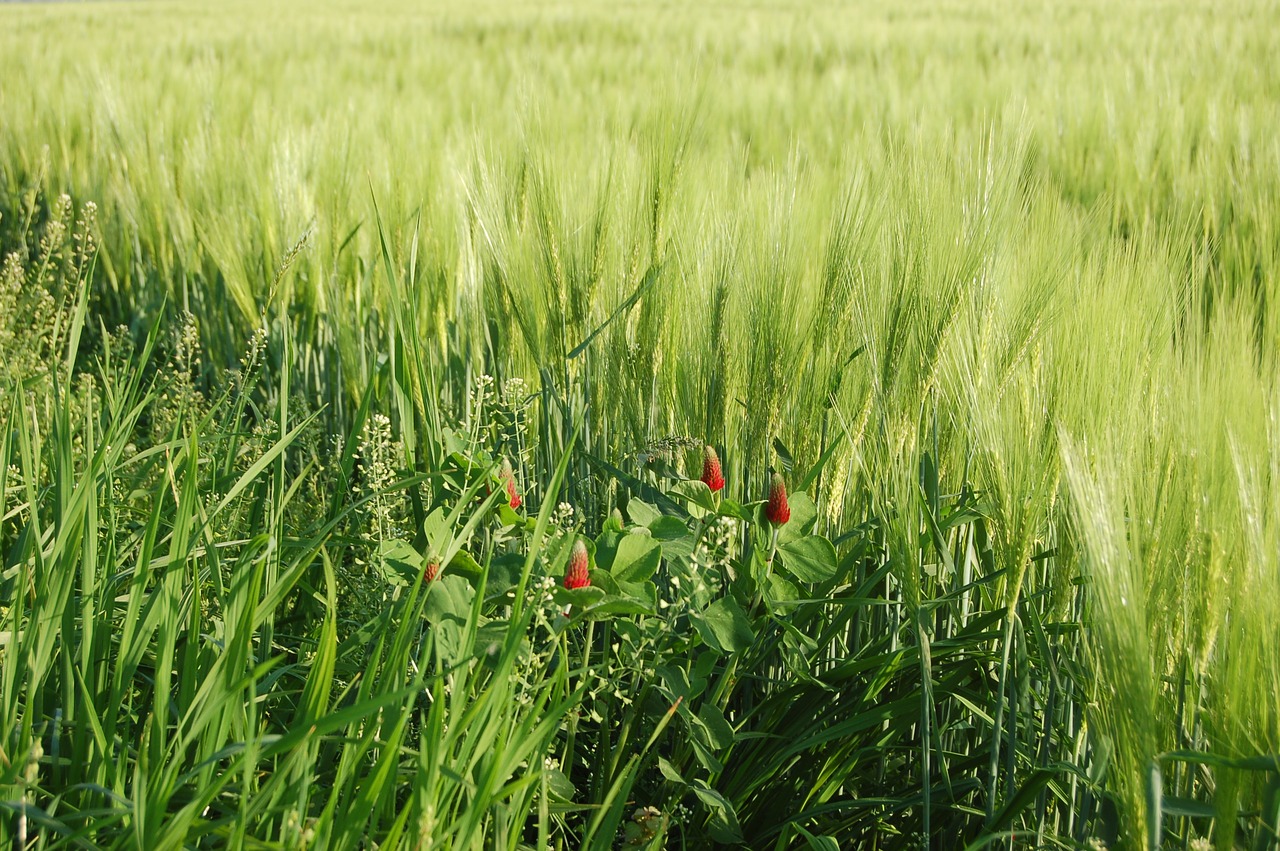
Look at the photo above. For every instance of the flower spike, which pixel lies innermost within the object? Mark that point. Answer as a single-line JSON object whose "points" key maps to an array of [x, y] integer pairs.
{"points": [[508, 476], [776, 510], [712, 475], [576, 574]]}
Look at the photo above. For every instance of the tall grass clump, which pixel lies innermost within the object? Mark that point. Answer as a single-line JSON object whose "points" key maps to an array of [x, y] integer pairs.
{"points": [[1171, 519], [209, 632]]}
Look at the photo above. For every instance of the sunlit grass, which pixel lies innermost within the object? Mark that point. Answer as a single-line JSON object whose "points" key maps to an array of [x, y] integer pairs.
{"points": [[1001, 276]]}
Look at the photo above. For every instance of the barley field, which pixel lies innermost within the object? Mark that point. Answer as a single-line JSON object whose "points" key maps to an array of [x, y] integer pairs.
{"points": [[783, 425]]}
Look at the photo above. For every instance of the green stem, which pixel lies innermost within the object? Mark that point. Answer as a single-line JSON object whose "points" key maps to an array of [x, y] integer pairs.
{"points": [[993, 763], [926, 727], [566, 762], [571, 736]]}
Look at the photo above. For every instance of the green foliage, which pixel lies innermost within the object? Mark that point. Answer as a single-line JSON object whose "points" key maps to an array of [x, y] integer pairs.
{"points": [[993, 284]]}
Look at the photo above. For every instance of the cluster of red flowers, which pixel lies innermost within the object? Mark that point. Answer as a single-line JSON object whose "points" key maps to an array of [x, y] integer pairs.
{"points": [[776, 510], [576, 576]]}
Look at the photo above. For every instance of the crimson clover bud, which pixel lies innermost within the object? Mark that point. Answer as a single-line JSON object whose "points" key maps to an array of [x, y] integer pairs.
{"points": [[776, 510], [576, 574], [712, 476], [508, 477]]}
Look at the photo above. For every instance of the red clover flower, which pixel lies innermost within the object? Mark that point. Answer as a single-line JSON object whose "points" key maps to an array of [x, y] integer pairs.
{"points": [[576, 574], [712, 476], [776, 510], [508, 476]]}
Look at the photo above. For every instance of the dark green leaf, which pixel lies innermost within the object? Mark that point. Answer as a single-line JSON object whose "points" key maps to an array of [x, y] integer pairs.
{"points": [[607, 546], [667, 528], [641, 512], [447, 608], [604, 581], [669, 771], [637, 558], [730, 508], [645, 593], [719, 731], [398, 562], [804, 515], [780, 590], [818, 843], [809, 559], [504, 573], [508, 517], [559, 786], [723, 824], [579, 598], [725, 626], [696, 492]]}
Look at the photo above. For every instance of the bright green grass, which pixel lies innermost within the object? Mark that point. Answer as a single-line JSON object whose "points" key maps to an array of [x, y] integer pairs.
{"points": [[1033, 247]]}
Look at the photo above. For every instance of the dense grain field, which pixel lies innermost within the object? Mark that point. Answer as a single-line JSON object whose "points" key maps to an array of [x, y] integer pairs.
{"points": [[327, 333]]}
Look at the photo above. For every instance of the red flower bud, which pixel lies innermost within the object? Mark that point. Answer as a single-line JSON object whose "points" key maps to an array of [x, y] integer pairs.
{"points": [[508, 477], [432, 571], [776, 510], [576, 574], [711, 473]]}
